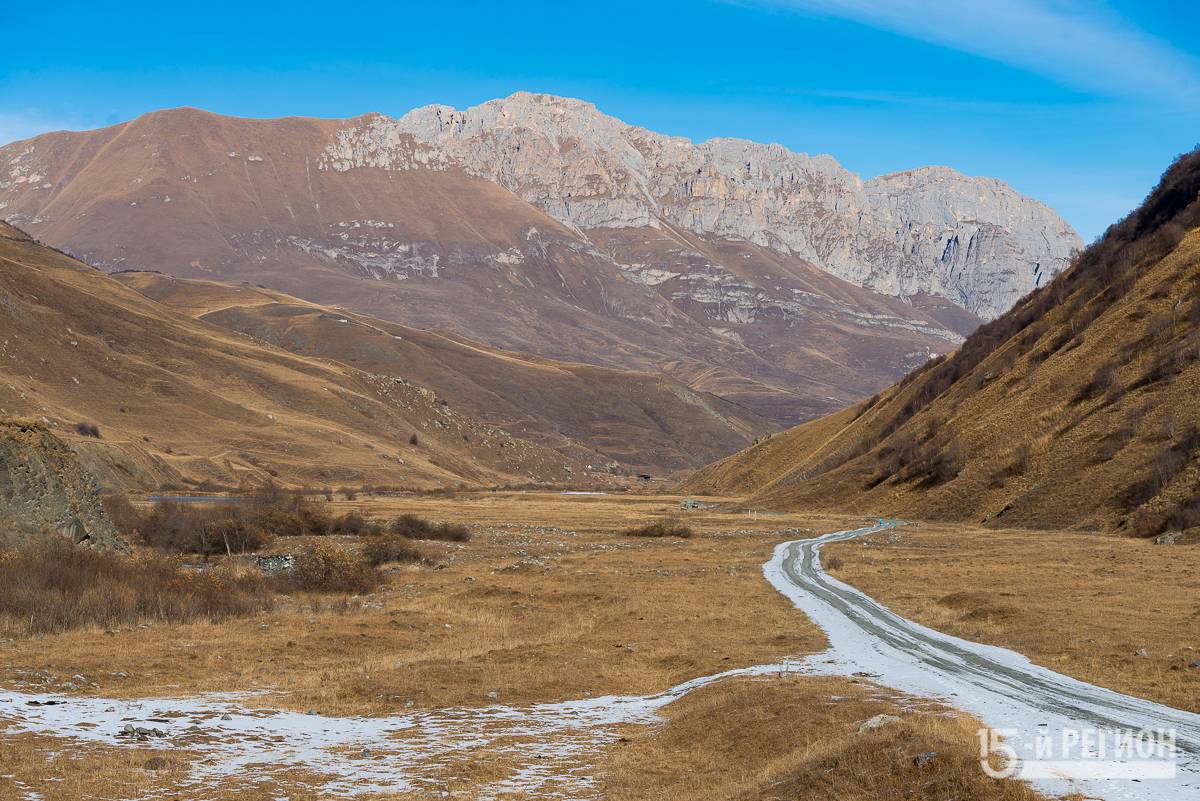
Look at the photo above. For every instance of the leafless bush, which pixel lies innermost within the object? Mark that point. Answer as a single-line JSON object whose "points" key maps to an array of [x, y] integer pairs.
{"points": [[234, 525], [416, 528], [1018, 465], [933, 463], [1113, 442], [661, 528], [1163, 468], [207, 530], [385, 548], [327, 567], [354, 524], [52, 585]]}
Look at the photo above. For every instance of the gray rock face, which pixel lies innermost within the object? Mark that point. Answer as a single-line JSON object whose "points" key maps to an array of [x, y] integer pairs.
{"points": [[973, 241], [45, 492]]}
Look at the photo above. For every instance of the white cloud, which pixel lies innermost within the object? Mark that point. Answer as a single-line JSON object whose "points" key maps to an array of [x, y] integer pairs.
{"points": [[1086, 47]]}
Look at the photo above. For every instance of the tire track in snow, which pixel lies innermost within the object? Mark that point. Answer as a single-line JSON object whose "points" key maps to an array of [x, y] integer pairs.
{"points": [[1002, 687]]}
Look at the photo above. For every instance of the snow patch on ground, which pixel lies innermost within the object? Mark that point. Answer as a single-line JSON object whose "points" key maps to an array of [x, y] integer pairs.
{"points": [[552, 747]]}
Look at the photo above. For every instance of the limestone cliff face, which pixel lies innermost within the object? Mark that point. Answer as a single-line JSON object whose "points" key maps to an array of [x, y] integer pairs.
{"points": [[44, 491], [973, 241]]}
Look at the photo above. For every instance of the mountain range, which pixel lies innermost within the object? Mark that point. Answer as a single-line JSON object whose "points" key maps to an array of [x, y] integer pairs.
{"points": [[1078, 408], [778, 281]]}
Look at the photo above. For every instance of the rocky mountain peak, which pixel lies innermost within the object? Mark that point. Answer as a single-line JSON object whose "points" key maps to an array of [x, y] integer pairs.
{"points": [[933, 231]]}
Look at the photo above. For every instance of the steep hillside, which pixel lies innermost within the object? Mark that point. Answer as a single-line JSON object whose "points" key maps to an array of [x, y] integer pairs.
{"points": [[1080, 407], [644, 421], [776, 280], [148, 397], [44, 491]]}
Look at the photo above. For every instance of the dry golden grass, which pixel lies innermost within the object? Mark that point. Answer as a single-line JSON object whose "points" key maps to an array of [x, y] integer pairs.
{"points": [[63, 769], [797, 738], [527, 612], [584, 513], [1081, 604]]}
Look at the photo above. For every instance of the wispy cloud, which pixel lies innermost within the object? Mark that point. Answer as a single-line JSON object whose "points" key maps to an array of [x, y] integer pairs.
{"points": [[1087, 47]]}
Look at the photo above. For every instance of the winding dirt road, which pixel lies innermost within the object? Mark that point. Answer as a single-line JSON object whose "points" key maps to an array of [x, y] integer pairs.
{"points": [[1036, 707]]}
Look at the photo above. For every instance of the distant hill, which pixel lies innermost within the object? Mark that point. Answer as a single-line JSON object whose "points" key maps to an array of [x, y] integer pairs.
{"points": [[1079, 408], [776, 280], [598, 416], [149, 397]]}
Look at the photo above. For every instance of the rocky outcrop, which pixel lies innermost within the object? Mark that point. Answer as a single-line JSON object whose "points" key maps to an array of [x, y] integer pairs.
{"points": [[930, 231], [45, 492]]}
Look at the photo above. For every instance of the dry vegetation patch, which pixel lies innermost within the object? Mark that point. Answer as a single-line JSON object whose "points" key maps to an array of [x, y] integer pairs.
{"points": [[526, 612], [413, 527], [64, 769], [662, 528], [798, 738], [52, 586]]}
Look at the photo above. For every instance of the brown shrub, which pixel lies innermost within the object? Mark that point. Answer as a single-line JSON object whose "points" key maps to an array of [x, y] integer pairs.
{"points": [[1018, 465], [326, 567], [1113, 442], [385, 548], [416, 528], [933, 463], [206, 530], [1169, 361], [234, 525], [661, 528], [53, 586], [87, 430], [1164, 466], [123, 514], [1102, 381]]}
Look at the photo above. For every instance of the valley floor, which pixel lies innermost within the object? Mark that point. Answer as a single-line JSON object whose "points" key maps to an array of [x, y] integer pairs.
{"points": [[549, 603]]}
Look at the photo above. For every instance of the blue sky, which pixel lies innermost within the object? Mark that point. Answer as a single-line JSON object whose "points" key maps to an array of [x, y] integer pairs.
{"points": [[1079, 104]]}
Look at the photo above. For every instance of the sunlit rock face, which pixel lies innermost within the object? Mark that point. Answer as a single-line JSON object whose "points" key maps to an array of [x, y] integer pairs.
{"points": [[934, 231]]}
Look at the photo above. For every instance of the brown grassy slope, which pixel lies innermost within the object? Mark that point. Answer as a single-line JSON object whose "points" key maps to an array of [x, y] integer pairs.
{"points": [[200, 195], [1076, 409], [178, 400], [646, 421], [746, 472]]}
